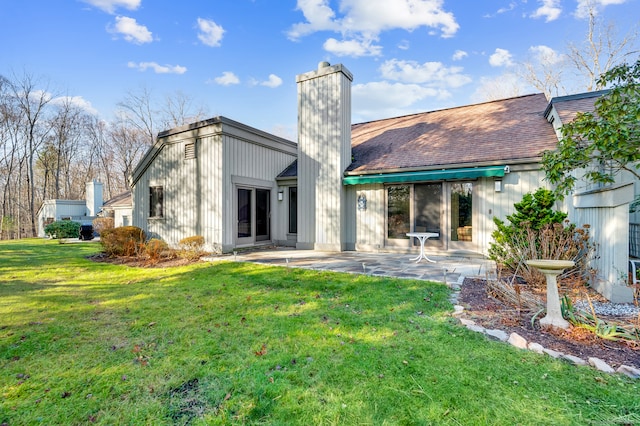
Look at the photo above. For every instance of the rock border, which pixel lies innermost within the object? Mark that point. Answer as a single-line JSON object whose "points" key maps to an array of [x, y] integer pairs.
{"points": [[514, 339]]}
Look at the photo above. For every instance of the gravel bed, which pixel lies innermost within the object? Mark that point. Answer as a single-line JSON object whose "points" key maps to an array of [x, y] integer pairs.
{"points": [[609, 309]]}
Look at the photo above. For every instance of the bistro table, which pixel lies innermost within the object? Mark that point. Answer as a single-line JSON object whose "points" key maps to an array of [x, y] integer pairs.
{"points": [[423, 236]]}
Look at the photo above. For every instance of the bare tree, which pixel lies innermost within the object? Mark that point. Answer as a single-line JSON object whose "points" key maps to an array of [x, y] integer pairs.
{"points": [[137, 110], [129, 145], [178, 110], [550, 72], [601, 50], [31, 103]]}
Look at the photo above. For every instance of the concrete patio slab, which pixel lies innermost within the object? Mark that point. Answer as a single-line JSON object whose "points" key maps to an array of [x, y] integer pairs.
{"points": [[447, 269]]}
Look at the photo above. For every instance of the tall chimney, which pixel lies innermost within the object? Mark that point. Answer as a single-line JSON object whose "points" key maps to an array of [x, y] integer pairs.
{"points": [[94, 197], [324, 153]]}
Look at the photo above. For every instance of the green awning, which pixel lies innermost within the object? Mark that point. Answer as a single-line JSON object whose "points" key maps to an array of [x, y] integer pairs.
{"points": [[426, 175]]}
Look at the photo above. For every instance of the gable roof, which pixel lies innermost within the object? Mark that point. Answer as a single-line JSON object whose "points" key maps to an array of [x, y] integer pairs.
{"points": [[504, 131], [120, 200], [568, 106]]}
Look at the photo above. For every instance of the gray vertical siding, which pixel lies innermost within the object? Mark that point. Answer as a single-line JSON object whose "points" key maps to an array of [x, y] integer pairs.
{"points": [[324, 127], [198, 193]]}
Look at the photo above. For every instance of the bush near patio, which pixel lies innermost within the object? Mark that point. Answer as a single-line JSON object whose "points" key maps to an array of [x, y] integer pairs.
{"points": [[191, 248], [123, 241], [62, 229], [229, 343], [537, 231]]}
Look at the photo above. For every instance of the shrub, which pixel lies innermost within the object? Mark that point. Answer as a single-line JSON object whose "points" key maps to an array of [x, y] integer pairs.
{"points": [[63, 229], [102, 223], [536, 231], [156, 249], [191, 247], [123, 241]]}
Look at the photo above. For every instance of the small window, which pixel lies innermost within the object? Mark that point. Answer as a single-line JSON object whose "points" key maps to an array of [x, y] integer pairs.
{"points": [[293, 210], [190, 151], [156, 200]]}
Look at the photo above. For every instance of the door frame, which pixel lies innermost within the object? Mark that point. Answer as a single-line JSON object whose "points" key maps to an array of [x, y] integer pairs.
{"points": [[252, 238]]}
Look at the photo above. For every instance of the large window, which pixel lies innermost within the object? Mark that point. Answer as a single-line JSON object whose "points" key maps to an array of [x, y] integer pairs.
{"points": [[427, 205], [398, 212], [156, 201], [461, 208], [293, 210]]}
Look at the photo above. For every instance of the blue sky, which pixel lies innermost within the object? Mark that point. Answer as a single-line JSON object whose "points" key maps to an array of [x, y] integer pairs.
{"points": [[239, 58]]}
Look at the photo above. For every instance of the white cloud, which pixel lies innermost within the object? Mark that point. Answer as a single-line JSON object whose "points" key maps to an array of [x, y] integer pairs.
{"points": [[427, 73], [459, 54], [501, 58], [273, 81], [210, 32], [546, 55], [110, 6], [504, 86], [584, 6], [352, 48], [227, 79], [131, 30], [404, 45], [157, 68], [76, 101], [383, 99], [364, 20], [550, 10]]}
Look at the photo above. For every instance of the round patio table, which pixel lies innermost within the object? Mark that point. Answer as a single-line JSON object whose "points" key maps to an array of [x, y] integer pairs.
{"points": [[422, 237]]}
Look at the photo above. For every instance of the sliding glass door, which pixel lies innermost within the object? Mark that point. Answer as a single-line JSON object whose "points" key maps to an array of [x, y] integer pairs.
{"points": [[442, 207]]}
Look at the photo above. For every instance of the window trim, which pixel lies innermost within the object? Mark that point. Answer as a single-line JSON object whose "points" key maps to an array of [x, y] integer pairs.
{"points": [[154, 189]]}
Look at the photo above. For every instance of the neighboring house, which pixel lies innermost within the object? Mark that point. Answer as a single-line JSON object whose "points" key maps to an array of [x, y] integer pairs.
{"points": [[75, 210], [119, 208], [347, 187]]}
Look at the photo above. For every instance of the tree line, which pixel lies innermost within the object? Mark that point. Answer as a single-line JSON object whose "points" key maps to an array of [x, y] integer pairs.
{"points": [[51, 145]]}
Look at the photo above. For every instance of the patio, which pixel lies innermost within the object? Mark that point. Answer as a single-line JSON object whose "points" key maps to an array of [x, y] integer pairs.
{"points": [[447, 269]]}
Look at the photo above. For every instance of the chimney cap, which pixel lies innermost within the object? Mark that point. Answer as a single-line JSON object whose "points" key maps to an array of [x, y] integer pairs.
{"points": [[323, 64]]}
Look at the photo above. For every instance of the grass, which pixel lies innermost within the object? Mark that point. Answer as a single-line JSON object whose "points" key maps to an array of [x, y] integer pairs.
{"points": [[235, 343]]}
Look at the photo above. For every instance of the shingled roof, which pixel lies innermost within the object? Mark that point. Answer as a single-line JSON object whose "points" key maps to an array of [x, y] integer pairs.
{"points": [[502, 131], [568, 106]]}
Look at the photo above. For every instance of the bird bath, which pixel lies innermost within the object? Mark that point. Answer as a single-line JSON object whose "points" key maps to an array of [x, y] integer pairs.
{"points": [[551, 269]]}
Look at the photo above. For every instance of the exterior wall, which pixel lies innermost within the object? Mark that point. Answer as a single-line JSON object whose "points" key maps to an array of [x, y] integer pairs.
{"points": [[370, 227], [324, 145], [521, 180], [256, 166], [607, 213], [122, 216], [199, 193]]}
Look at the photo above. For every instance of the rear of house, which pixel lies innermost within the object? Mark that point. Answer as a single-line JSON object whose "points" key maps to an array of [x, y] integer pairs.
{"points": [[214, 178]]}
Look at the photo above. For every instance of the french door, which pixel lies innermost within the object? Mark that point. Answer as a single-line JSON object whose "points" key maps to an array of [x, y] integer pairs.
{"points": [[253, 215]]}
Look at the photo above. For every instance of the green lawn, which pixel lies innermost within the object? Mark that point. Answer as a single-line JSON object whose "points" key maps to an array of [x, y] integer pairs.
{"points": [[235, 343]]}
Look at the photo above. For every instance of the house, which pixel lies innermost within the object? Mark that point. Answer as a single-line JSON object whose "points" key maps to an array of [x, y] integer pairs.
{"points": [[118, 208], [350, 187], [83, 211]]}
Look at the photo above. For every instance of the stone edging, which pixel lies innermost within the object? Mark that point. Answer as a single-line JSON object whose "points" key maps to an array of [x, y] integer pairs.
{"points": [[520, 342]]}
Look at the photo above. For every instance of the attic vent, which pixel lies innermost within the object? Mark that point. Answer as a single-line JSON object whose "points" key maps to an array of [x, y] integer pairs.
{"points": [[190, 151]]}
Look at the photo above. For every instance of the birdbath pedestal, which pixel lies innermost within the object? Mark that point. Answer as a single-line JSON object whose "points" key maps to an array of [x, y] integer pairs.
{"points": [[551, 269]]}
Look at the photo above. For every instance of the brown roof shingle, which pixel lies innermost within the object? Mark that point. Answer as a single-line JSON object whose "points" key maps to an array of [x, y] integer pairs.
{"points": [[498, 131]]}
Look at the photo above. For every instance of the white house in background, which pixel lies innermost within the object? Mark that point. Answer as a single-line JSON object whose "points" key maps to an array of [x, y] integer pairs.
{"points": [[75, 210], [364, 186], [119, 208]]}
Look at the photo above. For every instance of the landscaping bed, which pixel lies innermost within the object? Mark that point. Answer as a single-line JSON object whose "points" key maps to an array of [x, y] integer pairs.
{"points": [[492, 313]]}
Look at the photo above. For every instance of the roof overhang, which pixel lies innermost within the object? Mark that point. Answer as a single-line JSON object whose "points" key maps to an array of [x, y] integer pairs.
{"points": [[427, 175]]}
